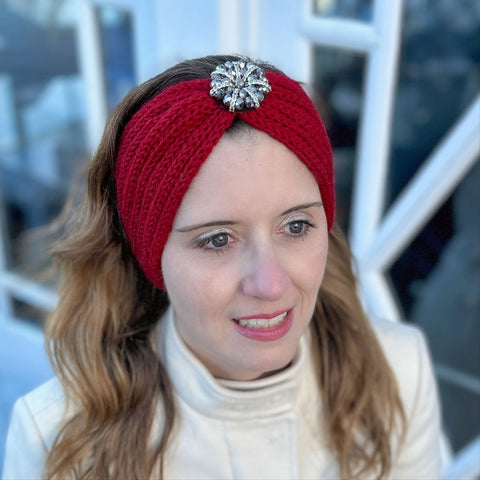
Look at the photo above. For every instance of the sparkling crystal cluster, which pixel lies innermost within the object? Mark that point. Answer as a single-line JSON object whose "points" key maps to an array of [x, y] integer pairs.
{"points": [[239, 85]]}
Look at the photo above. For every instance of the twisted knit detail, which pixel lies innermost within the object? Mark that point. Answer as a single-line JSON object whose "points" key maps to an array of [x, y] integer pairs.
{"points": [[167, 140]]}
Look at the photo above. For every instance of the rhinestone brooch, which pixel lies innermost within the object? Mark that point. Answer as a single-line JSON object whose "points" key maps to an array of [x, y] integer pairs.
{"points": [[239, 85]]}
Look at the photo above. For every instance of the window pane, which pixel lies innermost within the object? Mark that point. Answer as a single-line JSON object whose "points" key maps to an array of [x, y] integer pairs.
{"points": [[28, 313], [439, 76], [437, 277], [437, 280], [461, 414], [338, 78], [357, 9], [117, 43], [42, 102]]}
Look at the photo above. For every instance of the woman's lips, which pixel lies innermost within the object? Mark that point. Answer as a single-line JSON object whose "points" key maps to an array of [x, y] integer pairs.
{"points": [[265, 327]]}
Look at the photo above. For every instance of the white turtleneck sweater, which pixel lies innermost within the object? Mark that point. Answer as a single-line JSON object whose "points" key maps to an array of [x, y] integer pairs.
{"points": [[269, 428]]}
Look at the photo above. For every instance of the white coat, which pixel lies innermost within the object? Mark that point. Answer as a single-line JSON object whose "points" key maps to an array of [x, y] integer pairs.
{"points": [[264, 429]]}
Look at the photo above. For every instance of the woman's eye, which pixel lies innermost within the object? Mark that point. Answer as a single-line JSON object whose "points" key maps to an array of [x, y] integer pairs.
{"points": [[296, 228], [217, 242], [220, 240]]}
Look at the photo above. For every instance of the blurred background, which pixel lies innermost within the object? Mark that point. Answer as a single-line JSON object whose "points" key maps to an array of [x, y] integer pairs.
{"points": [[397, 83]]}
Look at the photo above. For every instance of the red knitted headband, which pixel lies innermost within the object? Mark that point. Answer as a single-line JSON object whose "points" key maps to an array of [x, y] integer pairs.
{"points": [[167, 140]]}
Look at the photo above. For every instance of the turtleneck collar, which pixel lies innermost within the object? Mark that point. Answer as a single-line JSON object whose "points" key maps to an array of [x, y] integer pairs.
{"points": [[226, 399]]}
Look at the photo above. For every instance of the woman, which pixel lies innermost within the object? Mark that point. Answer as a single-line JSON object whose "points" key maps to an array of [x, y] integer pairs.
{"points": [[208, 324]]}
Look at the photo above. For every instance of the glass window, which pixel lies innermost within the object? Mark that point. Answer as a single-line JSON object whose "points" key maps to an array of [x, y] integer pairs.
{"points": [[42, 100], [439, 76], [437, 281], [117, 43], [338, 82], [436, 278], [355, 9]]}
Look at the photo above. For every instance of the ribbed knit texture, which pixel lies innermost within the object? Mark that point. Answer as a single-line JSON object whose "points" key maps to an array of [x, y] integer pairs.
{"points": [[165, 143]]}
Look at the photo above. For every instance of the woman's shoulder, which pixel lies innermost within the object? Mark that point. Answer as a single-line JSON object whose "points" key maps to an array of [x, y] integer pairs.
{"points": [[45, 407], [47, 396], [405, 348], [35, 422], [399, 334], [39, 412], [406, 351], [404, 345]]}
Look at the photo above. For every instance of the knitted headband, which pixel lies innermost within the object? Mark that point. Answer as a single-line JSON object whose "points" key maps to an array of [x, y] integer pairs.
{"points": [[167, 140]]}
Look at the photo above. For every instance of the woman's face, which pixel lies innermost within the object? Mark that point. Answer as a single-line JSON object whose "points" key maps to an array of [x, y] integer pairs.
{"points": [[246, 257]]}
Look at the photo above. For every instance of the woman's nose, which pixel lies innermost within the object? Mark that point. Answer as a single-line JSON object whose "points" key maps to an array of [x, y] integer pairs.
{"points": [[265, 278]]}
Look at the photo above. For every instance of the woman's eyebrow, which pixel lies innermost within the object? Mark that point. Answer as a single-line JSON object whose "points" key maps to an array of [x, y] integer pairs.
{"points": [[223, 223], [302, 207], [216, 223]]}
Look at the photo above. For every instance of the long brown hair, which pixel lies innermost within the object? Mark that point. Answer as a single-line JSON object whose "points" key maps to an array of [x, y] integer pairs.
{"points": [[99, 339]]}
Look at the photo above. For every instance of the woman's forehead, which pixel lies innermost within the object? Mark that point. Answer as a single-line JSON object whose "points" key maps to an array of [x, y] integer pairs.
{"points": [[244, 174]]}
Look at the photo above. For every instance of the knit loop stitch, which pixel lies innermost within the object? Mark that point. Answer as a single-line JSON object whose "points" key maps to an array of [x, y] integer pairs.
{"points": [[167, 140]]}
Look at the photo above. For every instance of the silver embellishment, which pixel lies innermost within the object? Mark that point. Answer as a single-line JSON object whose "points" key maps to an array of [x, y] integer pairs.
{"points": [[239, 85]]}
